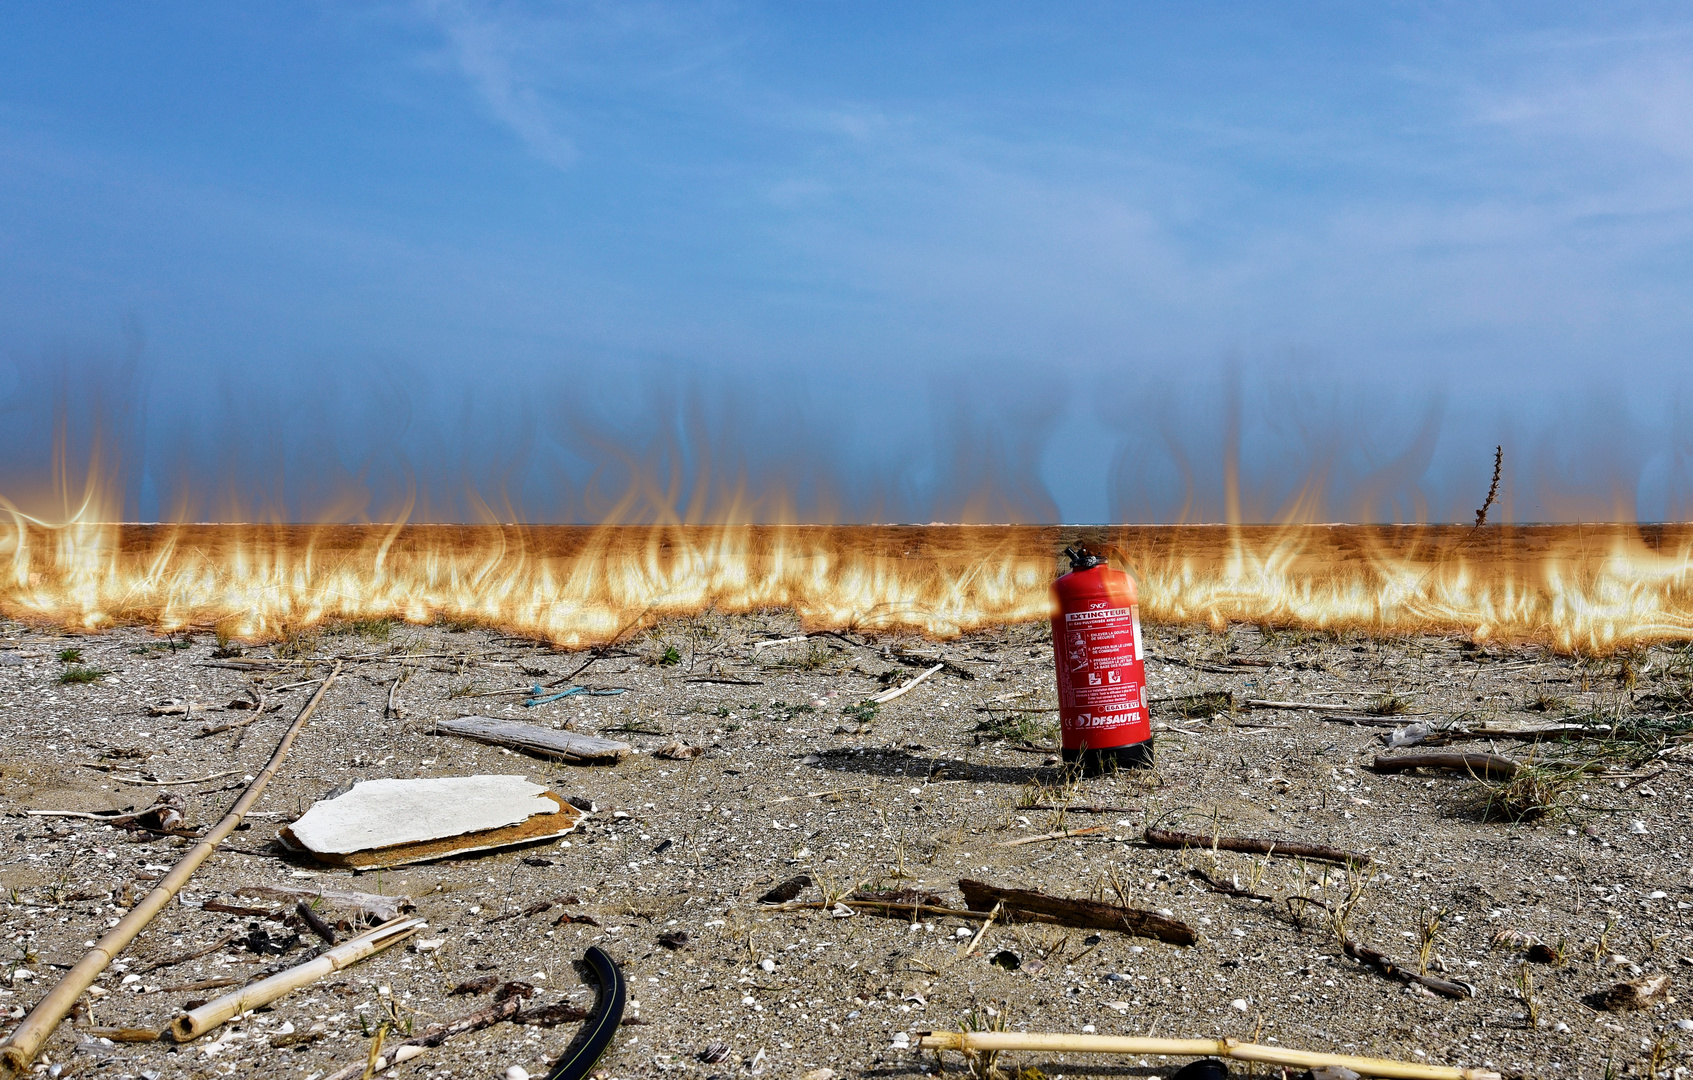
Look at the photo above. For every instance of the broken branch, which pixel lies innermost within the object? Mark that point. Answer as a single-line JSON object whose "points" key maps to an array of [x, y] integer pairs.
{"points": [[1091, 914], [1059, 835], [1291, 849], [1371, 958]]}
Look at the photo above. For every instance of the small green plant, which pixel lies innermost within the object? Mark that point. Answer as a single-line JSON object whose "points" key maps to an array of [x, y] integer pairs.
{"points": [[862, 713], [70, 656], [670, 657], [82, 673]]}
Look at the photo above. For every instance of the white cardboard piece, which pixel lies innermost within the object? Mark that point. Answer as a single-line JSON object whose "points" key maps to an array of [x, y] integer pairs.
{"points": [[383, 813]]}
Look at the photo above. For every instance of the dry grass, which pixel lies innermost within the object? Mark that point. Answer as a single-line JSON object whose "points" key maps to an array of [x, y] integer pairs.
{"points": [[1538, 790]]}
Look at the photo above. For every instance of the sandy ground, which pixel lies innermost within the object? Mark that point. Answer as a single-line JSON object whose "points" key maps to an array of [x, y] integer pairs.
{"points": [[929, 791]]}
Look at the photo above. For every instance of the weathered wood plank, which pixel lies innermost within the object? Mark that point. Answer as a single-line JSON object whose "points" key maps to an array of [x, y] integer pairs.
{"points": [[534, 739]]}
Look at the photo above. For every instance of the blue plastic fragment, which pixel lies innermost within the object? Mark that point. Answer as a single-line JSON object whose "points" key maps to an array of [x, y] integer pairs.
{"points": [[571, 692]]}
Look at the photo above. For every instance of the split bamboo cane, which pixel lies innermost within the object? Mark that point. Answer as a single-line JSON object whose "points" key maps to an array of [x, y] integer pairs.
{"points": [[1005, 1041], [19, 1050], [193, 1024]]}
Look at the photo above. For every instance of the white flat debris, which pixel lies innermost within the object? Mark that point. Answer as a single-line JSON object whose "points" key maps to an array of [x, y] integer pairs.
{"points": [[385, 813]]}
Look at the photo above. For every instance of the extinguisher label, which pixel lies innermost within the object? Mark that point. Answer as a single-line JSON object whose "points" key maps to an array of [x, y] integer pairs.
{"points": [[1101, 677]]}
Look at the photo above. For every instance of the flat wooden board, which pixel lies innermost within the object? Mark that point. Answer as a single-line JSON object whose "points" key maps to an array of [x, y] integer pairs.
{"points": [[537, 829], [535, 739]]}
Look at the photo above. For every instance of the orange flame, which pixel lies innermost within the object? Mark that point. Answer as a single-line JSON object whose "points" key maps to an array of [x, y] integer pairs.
{"points": [[1576, 587]]}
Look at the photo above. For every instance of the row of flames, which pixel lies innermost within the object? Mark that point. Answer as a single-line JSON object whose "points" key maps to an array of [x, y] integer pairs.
{"points": [[1578, 588]]}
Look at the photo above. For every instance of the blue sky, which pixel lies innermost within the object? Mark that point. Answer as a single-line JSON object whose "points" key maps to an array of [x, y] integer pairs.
{"points": [[896, 261]]}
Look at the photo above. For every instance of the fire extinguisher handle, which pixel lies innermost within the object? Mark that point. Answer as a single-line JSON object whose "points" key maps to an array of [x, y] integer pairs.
{"points": [[1081, 558]]}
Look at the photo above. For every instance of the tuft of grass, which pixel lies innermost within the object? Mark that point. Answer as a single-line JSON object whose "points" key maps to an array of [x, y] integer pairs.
{"points": [[814, 657], [1546, 701], [370, 629], [1017, 728], [1202, 705], [70, 656], [1538, 790], [1428, 932], [1525, 992], [82, 673], [1390, 704], [298, 642]]}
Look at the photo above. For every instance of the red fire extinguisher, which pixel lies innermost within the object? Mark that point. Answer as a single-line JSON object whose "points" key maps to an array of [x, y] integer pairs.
{"points": [[1101, 669]]}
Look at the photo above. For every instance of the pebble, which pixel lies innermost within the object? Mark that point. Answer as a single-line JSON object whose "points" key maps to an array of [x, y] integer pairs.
{"points": [[1659, 894], [516, 1072], [1637, 828], [1684, 1025], [1239, 1003], [767, 965], [1088, 1029], [961, 932]]}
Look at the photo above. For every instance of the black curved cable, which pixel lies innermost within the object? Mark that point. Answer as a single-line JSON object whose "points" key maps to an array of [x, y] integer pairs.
{"points": [[595, 1037]]}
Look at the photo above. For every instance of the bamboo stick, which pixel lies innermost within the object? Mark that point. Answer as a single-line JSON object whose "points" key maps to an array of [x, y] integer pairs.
{"points": [[192, 1025], [1001, 1041], [20, 1048]]}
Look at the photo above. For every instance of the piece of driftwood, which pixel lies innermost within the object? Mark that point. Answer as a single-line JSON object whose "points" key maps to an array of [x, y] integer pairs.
{"points": [[904, 688], [195, 1023], [1371, 958], [1053, 1043], [1633, 995], [1228, 888], [1090, 914], [363, 906], [314, 922], [141, 781], [124, 1035], [1292, 849], [24, 1043], [173, 961], [1061, 834], [1490, 766], [532, 738], [1082, 809]]}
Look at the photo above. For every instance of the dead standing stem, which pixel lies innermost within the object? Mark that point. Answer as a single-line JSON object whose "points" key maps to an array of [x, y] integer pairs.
{"points": [[25, 1042]]}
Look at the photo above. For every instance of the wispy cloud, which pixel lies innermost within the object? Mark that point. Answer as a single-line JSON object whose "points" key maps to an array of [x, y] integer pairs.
{"points": [[487, 47]]}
